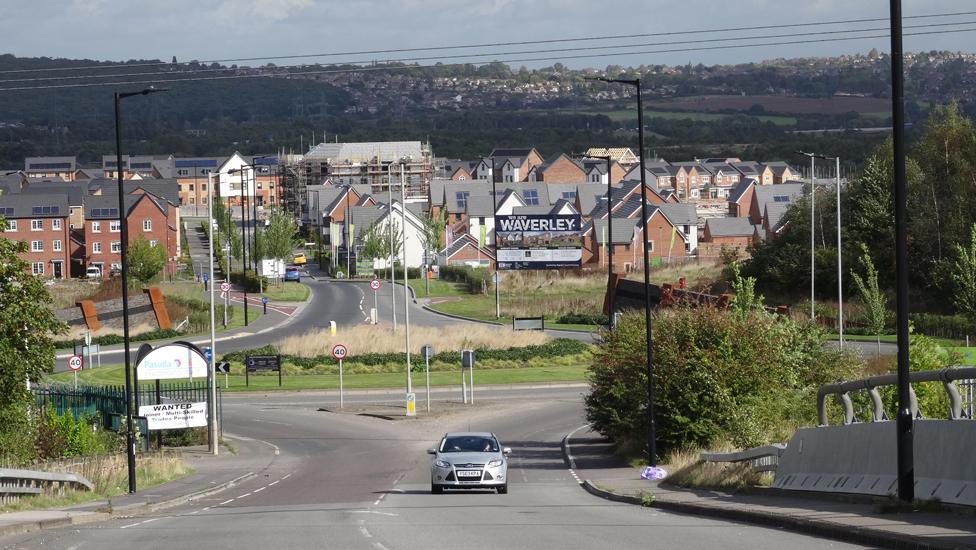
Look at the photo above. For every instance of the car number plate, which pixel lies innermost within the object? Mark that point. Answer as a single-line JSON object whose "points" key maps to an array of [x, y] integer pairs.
{"points": [[469, 473]]}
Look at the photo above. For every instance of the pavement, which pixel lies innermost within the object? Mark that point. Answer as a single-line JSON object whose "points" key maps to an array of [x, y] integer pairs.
{"points": [[853, 519], [210, 474]]}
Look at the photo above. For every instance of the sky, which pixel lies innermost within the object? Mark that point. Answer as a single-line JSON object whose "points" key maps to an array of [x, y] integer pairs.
{"points": [[118, 30]]}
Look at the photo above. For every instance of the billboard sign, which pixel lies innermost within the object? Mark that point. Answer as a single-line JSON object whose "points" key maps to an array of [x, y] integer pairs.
{"points": [[539, 241], [176, 360], [172, 416]]}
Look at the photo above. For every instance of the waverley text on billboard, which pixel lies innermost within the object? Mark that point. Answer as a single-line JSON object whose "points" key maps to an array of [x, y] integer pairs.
{"points": [[539, 241]]}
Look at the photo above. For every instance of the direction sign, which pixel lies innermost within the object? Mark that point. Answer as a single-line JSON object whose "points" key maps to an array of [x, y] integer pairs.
{"points": [[222, 366], [427, 352], [339, 351], [75, 362], [206, 277], [264, 299], [374, 284], [208, 353], [224, 287]]}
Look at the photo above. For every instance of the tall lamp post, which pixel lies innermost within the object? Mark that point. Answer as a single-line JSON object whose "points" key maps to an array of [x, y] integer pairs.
{"points": [[905, 428], [494, 233], [130, 436], [406, 288], [651, 430], [813, 241], [211, 377]]}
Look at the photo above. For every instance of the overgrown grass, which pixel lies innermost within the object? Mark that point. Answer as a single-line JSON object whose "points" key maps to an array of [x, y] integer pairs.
{"points": [[109, 476], [686, 470]]}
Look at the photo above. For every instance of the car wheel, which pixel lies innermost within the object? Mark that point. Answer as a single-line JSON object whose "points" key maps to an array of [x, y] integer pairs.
{"points": [[436, 489], [503, 489]]}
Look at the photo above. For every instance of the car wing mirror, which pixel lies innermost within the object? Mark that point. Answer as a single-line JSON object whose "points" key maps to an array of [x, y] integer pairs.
{"points": [[507, 450], [432, 451]]}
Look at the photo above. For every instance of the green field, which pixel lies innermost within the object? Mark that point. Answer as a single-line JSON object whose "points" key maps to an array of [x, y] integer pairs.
{"points": [[289, 291], [113, 375]]}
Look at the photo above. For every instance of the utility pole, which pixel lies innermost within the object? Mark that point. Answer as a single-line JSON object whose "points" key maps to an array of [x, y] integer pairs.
{"points": [[389, 191], [494, 232], [840, 271], [406, 288]]}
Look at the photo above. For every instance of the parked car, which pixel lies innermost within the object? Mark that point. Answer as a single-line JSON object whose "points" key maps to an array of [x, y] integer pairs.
{"points": [[93, 272], [469, 460], [293, 274], [300, 259]]}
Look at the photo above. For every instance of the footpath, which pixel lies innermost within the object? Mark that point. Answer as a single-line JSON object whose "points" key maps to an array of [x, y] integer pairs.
{"points": [[210, 474], [853, 520]]}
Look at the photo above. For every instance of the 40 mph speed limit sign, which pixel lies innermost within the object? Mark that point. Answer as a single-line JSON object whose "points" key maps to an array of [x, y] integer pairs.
{"points": [[75, 362], [339, 351]]}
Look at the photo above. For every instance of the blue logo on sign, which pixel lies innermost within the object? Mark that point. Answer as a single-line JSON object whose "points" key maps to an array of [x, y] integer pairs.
{"points": [[208, 353]]}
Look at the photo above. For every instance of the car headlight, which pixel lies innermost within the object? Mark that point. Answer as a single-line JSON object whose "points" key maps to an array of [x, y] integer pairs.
{"points": [[495, 463], [442, 463]]}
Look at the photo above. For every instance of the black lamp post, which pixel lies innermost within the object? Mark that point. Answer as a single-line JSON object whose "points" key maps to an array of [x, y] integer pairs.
{"points": [[651, 436], [130, 436]]}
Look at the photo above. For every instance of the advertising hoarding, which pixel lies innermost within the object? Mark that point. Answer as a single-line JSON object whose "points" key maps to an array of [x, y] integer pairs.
{"points": [[539, 241], [176, 360], [173, 416]]}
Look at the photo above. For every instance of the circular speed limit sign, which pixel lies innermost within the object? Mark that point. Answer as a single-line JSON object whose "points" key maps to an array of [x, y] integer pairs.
{"points": [[75, 362], [224, 287], [339, 351], [374, 284]]}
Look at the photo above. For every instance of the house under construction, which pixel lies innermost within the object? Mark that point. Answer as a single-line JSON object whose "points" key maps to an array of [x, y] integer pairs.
{"points": [[377, 164]]}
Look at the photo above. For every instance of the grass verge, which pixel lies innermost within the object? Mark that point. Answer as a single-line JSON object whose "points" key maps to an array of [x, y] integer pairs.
{"points": [[686, 470], [236, 382], [288, 291], [109, 476]]}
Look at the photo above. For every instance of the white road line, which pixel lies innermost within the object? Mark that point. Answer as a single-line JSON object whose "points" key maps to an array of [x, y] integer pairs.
{"points": [[274, 483], [205, 509], [226, 501], [365, 532], [377, 501], [379, 546], [259, 490], [569, 450], [194, 512], [130, 525], [245, 495], [286, 477]]}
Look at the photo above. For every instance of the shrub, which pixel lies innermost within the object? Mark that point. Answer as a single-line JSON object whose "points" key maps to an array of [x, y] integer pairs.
{"points": [[112, 339], [249, 280], [943, 326], [745, 379], [474, 280], [583, 319]]}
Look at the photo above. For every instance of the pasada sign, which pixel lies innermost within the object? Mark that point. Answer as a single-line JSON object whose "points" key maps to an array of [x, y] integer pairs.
{"points": [[173, 416], [177, 360]]}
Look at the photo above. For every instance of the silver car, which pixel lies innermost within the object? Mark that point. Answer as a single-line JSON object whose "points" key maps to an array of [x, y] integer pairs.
{"points": [[469, 460]]}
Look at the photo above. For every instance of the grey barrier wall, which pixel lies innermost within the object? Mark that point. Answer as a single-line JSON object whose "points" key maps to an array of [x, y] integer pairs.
{"points": [[860, 458]]}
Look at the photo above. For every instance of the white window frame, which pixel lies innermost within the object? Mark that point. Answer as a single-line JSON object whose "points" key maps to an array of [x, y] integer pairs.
{"points": [[96, 247], [153, 243], [56, 224], [37, 246], [37, 268], [115, 226], [56, 245], [115, 247], [96, 227], [147, 225], [11, 225], [37, 225]]}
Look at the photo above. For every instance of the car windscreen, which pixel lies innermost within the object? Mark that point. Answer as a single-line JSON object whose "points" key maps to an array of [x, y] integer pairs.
{"points": [[469, 444]]}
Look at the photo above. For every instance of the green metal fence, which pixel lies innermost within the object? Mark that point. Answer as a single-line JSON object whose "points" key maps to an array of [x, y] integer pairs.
{"points": [[110, 400]]}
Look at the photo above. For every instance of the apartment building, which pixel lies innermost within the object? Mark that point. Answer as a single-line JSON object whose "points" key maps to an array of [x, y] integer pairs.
{"points": [[40, 221]]}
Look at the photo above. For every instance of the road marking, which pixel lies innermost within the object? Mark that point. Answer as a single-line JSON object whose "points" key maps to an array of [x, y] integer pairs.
{"points": [[569, 453], [287, 476], [379, 546], [194, 512], [377, 501], [365, 532], [205, 509], [259, 490], [140, 523], [373, 512], [226, 501], [274, 483], [270, 422], [245, 495]]}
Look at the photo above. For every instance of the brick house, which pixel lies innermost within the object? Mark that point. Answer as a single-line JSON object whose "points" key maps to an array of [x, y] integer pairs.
{"points": [[519, 162], [41, 221], [781, 171], [665, 240], [559, 168], [191, 177], [50, 168], [731, 233], [465, 251], [740, 200], [147, 216]]}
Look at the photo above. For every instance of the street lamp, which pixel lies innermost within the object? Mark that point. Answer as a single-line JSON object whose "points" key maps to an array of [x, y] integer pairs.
{"points": [[243, 235], [406, 289], [130, 439], [211, 375], [651, 431], [813, 199], [494, 233]]}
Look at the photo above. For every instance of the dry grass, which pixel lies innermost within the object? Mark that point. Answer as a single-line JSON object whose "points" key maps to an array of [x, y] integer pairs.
{"points": [[379, 339], [700, 275], [686, 470], [78, 332]]}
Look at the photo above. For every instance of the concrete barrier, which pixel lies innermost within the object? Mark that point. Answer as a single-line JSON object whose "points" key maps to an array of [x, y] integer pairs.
{"points": [[860, 458]]}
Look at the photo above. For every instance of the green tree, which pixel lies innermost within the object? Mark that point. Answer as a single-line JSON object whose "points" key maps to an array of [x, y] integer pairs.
{"points": [[745, 300], [145, 260], [872, 296], [279, 235], [26, 329], [962, 273], [376, 241]]}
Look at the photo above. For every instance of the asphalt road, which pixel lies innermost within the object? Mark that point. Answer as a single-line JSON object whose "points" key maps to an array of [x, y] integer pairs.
{"points": [[348, 481]]}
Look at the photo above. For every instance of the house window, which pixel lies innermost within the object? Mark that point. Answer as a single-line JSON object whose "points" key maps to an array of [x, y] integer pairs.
{"points": [[681, 179], [96, 247], [569, 195], [116, 247], [153, 242], [56, 245], [182, 172], [192, 201], [203, 186], [11, 225], [781, 198], [462, 178], [115, 226], [96, 227], [462, 198], [457, 217], [56, 224], [531, 197], [650, 246], [205, 171], [189, 187], [37, 225], [37, 268], [627, 246], [705, 180], [147, 225], [481, 220], [117, 265], [735, 179], [37, 246]]}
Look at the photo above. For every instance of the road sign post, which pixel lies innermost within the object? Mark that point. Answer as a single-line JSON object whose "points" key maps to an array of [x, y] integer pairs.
{"points": [[339, 353], [264, 302], [225, 288], [428, 352], [467, 364], [411, 404], [375, 285], [75, 363]]}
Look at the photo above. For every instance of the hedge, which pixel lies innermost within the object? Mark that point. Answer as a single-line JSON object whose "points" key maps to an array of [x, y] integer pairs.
{"points": [[249, 280], [556, 348], [943, 326], [475, 280], [112, 339]]}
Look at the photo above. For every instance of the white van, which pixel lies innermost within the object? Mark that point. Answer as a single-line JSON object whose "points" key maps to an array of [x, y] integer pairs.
{"points": [[93, 272]]}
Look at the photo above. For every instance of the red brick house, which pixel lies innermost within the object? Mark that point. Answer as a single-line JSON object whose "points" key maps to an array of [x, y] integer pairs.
{"points": [[41, 221], [465, 251], [147, 216], [558, 168]]}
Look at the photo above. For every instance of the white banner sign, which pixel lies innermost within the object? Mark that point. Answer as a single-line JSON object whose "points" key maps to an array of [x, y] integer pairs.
{"points": [[173, 416], [172, 361]]}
